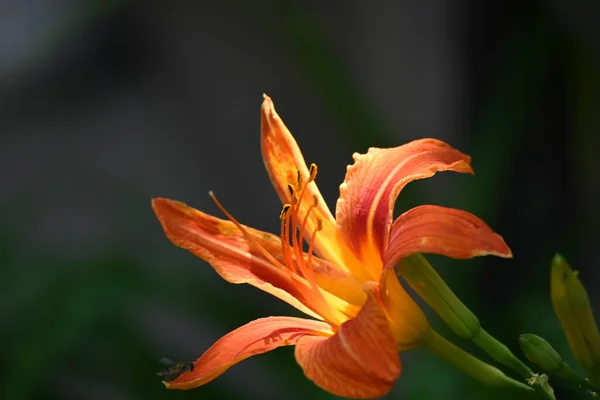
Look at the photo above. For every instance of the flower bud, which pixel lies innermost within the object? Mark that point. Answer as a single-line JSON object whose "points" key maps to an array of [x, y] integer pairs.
{"points": [[424, 280], [472, 366], [538, 351], [572, 307]]}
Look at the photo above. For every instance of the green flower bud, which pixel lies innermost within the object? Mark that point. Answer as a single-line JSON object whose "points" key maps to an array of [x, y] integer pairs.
{"points": [[538, 351], [572, 307], [477, 369], [424, 280]]}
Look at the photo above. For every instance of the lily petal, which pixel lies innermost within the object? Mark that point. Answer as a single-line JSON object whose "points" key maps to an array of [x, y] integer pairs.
{"points": [[257, 337], [283, 160], [223, 245], [445, 231], [365, 208], [360, 360]]}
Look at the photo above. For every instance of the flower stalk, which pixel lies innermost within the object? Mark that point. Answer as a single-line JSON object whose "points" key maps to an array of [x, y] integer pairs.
{"points": [[472, 366], [430, 286]]}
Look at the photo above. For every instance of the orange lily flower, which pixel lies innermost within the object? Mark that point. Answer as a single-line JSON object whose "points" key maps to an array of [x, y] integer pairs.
{"points": [[346, 282]]}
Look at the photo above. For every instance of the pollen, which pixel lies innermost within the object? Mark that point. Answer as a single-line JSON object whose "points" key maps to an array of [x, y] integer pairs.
{"points": [[284, 211], [313, 171]]}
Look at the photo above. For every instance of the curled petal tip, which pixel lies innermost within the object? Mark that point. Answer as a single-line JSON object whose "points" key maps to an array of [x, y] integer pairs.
{"points": [[499, 249], [503, 250], [463, 166], [442, 230], [501, 254]]}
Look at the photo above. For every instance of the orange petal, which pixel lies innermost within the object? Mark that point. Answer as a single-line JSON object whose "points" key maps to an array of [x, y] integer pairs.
{"points": [[445, 231], [283, 160], [256, 337], [360, 360], [365, 208], [223, 246]]}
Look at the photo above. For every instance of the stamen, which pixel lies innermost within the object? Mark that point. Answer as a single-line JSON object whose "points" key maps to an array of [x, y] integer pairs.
{"points": [[312, 172], [286, 208], [299, 280], [310, 270], [297, 231], [292, 232], [285, 239], [296, 241], [298, 250], [249, 237], [311, 248], [314, 204]]}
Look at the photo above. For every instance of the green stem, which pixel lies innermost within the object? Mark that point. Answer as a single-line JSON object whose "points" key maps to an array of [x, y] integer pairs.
{"points": [[501, 353], [430, 286], [581, 381], [477, 369]]}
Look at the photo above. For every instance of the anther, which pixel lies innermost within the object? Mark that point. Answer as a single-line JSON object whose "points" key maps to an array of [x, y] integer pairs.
{"points": [[291, 189], [312, 171], [315, 200], [284, 211]]}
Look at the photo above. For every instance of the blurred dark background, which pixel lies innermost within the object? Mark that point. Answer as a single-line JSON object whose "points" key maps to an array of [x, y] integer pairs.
{"points": [[105, 104]]}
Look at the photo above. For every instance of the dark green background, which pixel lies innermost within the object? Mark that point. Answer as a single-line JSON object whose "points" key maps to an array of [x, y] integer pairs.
{"points": [[105, 104]]}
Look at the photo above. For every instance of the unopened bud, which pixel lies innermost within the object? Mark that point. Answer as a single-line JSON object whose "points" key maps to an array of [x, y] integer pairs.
{"points": [[424, 280], [538, 351], [572, 307]]}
